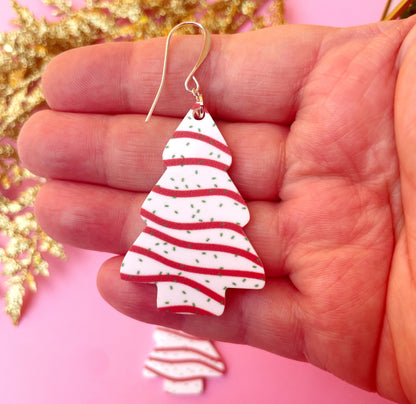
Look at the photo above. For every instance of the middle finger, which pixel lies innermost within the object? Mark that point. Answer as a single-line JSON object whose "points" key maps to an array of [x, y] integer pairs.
{"points": [[123, 152]]}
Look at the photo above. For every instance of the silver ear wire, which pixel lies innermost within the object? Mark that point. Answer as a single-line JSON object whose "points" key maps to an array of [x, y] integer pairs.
{"points": [[195, 91]]}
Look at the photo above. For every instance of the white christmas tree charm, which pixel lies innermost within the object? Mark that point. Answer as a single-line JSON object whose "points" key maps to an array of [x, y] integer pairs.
{"points": [[183, 361], [193, 246]]}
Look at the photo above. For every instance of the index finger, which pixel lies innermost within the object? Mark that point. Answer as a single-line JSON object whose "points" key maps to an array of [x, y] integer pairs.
{"points": [[254, 76]]}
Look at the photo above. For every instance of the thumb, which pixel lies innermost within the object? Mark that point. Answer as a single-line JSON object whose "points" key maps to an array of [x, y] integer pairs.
{"points": [[401, 300]]}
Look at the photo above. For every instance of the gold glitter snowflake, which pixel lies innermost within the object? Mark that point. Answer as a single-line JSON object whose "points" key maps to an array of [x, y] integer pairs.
{"points": [[25, 52]]}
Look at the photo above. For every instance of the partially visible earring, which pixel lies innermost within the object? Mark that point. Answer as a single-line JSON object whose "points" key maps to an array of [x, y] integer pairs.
{"points": [[193, 246]]}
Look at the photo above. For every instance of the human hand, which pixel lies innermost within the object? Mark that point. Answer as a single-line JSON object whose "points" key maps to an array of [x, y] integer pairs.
{"points": [[320, 124]]}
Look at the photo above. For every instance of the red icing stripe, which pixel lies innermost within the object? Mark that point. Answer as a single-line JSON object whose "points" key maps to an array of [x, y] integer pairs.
{"points": [[191, 226], [185, 309], [189, 193], [203, 246], [175, 278], [171, 378], [190, 268], [203, 138], [187, 361], [196, 162], [194, 350]]}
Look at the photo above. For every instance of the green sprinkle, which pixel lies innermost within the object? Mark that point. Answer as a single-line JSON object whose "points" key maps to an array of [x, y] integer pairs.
{"points": [[207, 281], [209, 299], [140, 260], [197, 260], [215, 256], [214, 178], [122, 264], [172, 179], [171, 287], [185, 301], [176, 212], [166, 252], [207, 240], [225, 287], [166, 206], [232, 237], [234, 284], [184, 292], [192, 205], [244, 279], [196, 172], [138, 272], [256, 286]]}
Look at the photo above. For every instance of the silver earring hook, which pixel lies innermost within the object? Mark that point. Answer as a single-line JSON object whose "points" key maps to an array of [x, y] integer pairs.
{"points": [[202, 56]]}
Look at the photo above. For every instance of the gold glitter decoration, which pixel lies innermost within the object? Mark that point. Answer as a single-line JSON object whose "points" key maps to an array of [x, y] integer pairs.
{"points": [[25, 52]]}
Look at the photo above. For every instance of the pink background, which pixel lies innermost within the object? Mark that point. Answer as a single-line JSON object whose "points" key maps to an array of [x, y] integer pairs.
{"points": [[71, 347]]}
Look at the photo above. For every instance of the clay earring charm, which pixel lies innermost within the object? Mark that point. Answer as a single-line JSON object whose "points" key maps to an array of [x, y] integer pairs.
{"points": [[193, 246]]}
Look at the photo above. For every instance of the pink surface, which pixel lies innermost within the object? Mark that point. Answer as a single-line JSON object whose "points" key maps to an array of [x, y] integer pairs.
{"points": [[71, 347]]}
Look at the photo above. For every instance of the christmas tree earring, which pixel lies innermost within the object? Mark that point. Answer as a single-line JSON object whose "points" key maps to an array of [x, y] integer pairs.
{"points": [[193, 246]]}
